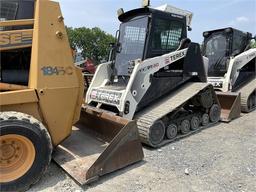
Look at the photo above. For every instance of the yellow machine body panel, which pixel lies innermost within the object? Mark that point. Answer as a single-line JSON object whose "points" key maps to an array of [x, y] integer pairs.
{"points": [[54, 81], [15, 39], [14, 97], [53, 94], [10, 101], [57, 80]]}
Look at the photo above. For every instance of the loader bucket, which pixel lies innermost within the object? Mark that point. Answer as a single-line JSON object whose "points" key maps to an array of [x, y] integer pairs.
{"points": [[230, 105], [100, 143]]}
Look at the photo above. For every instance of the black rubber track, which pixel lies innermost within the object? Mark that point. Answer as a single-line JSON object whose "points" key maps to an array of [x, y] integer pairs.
{"points": [[247, 92], [162, 108]]}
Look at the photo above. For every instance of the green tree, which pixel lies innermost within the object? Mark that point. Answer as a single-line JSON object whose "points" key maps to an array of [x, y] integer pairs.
{"points": [[93, 43], [254, 45]]}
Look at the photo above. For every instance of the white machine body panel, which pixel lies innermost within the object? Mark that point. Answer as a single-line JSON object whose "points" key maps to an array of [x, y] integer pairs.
{"points": [[99, 92], [226, 83]]}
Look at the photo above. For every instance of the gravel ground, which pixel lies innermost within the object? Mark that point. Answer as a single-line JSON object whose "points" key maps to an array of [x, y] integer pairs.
{"points": [[219, 158]]}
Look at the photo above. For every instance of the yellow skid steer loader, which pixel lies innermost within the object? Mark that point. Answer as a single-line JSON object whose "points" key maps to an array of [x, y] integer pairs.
{"points": [[41, 96]]}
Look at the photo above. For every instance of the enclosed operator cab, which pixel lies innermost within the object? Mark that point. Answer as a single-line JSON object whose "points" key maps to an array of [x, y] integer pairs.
{"points": [[221, 47], [147, 33]]}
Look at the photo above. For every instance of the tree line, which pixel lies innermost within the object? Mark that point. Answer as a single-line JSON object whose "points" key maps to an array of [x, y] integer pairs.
{"points": [[254, 45], [93, 43]]}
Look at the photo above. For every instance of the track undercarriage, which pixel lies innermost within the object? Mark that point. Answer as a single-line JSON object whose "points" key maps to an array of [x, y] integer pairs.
{"points": [[248, 96], [189, 109]]}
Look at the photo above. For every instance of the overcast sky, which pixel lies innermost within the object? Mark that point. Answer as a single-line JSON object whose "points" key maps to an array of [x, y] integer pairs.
{"points": [[208, 14]]}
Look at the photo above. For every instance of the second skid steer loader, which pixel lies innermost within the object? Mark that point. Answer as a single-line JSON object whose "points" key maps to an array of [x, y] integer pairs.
{"points": [[231, 70], [155, 76], [41, 94]]}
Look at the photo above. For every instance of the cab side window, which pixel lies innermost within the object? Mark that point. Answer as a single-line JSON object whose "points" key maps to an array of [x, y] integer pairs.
{"points": [[166, 35]]}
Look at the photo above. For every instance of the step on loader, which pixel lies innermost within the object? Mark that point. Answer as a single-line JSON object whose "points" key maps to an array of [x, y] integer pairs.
{"points": [[41, 104], [231, 70], [155, 76]]}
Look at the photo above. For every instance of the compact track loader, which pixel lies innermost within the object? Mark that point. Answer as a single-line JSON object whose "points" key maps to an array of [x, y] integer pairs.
{"points": [[155, 76], [41, 99], [231, 70]]}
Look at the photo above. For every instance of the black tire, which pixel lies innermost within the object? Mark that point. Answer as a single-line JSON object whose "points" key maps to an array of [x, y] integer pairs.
{"points": [[157, 132], [171, 131], [185, 126], [20, 124]]}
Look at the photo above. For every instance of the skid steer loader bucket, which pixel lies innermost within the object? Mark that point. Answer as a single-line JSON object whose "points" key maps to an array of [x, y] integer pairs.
{"points": [[100, 143], [230, 105]]}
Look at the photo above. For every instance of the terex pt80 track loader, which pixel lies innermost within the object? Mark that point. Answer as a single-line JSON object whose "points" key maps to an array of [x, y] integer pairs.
{"points": [[155, 76], [41, 94], [231, 70]]}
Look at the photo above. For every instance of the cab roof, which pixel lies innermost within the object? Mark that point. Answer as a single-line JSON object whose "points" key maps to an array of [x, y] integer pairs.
{"points": [[145, 11], [164, 10]]}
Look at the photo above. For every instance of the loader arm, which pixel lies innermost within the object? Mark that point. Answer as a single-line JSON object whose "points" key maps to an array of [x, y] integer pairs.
{"points": [[238, 63], [139, 82], [127, 98]]}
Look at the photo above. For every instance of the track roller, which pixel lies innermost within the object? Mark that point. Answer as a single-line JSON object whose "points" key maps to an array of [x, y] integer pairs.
{"points": [[250, 104], [171, 131], [157, 132], [195, 123], [206, 99], [214, 113], [185, 126], [205, 119]]}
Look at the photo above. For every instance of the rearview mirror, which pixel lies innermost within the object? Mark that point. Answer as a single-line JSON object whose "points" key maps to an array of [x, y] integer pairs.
{"points": [[111, 45], [118, 47]]}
